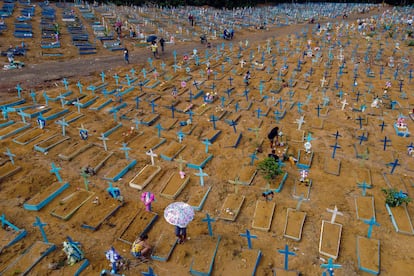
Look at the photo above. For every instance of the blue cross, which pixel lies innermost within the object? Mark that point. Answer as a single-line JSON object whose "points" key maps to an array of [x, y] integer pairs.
{"points": [[299, 104], [104, 139], [140, 84], [40, 224], [371, 222], [287, 253], [259, 113], [336, 146], [63, 124], [190, 94], [213, 119], [79, 85], [116, 77], [393, 165], [172, 108], [126, 150], [207, 143], [360, 119], [233, 124], [330, 266], [159, 128], [65, 83], [382, 125], [153, 105], [230, 80], [201, 174], [253, 157], [10, 155], [132, 71], [209, 220], [249, 238], [190, 114], [33, 95], [180, 136], [5, 222], [144, 73], [19, 90], [246, 94], [237, 106], [337, 135], [228, 92], [56, 170], [364, 186], [362, 138], [102, 76], [385, 141]]}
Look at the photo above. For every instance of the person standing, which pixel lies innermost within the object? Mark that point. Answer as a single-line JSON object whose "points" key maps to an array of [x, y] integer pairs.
{"points": [[154, 49], [126, 55], [273, 134], [162, 43], [181, 233]]}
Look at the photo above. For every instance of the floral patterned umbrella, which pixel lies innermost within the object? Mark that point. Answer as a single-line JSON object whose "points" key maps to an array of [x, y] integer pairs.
{"points": [[179, 214]]}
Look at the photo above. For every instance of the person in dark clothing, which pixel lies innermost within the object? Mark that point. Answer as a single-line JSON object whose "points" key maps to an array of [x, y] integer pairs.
{"points": [[162, 42], [273, 155], [273, 134]]}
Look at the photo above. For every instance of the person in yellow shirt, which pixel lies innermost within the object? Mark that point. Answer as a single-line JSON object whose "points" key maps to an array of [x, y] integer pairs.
{"points": [[141, 248]]}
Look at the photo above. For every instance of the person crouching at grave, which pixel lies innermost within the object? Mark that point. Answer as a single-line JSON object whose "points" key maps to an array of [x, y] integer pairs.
{"points": [[268, 195], [273, 155], [247, 77], [141, 248], [89, 170], [272, 136]]}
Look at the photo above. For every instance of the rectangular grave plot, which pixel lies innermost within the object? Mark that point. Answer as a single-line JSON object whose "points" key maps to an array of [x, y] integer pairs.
{"points": [[401, 219], [395, 181], [231, 207], [29, 136], [368, 254], [150, 119], [8, 169], [9, 236], [124, 135], [168, 123], [72, 117], [50, 142], [302, 189], [276, 184], [233, 140], [363, 174], [232, 117], [150, 143], [317, 123], [330, 239], [198, 197], [263, 215], [183, 107], [188, 128], [198, 160], [45, 196], [95, 158], [31, 256], [172, 150], [211, 135], [174, 185], [361, 151], [247, 174], [203, 263], [332, 166], [70, 204], [108, 206], [297, 136], [164, 245], [294, 224], [139, 224], [71, 152], [200, 110], [144, 177], [365, 207], [304, 159], [118, 170], [12, 129]]}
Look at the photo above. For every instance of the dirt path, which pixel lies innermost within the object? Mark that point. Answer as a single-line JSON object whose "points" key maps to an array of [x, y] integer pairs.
{"points": [[46, 73]]}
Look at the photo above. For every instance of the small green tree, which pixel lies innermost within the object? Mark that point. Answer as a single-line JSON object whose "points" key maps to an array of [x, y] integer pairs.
{"points": [[394, 198], [269, 168]]}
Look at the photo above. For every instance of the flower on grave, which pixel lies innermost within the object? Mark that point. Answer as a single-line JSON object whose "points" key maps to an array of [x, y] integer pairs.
{"points": [[388, 84], [303, 176]]}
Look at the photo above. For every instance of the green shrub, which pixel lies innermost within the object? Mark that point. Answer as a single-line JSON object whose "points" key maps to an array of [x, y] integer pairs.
{"points": [[394, 198], [269, 168]]}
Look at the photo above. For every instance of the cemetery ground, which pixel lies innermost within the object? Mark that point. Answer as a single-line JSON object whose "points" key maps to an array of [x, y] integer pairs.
{"points": [[350, 161]]}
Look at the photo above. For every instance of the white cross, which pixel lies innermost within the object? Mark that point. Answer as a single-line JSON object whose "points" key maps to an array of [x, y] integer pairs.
{"points": [[242, 63], [300, 122], [334, 212], [323, 81], [152, 154], [344, 103]]}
